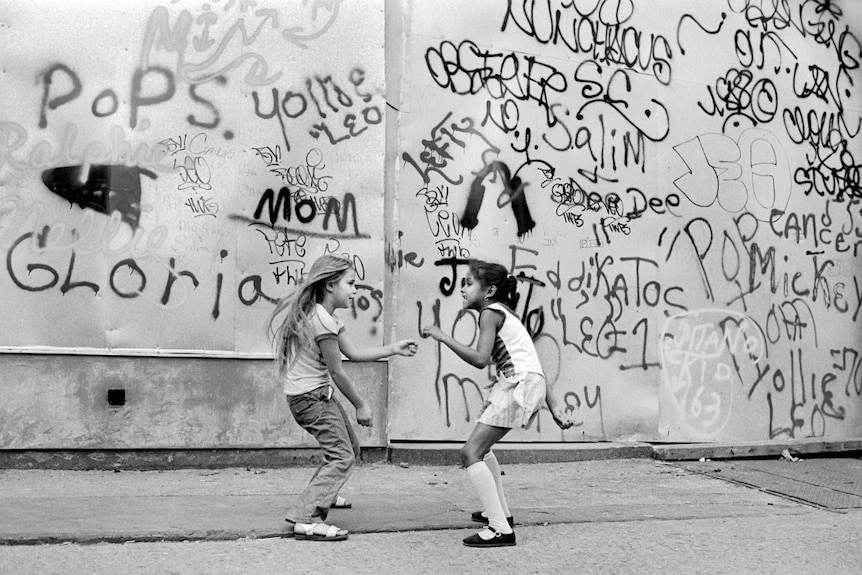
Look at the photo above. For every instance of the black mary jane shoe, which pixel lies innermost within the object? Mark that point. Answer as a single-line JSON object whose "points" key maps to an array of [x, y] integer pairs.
{"points": [[479, 518], [498, 540]]}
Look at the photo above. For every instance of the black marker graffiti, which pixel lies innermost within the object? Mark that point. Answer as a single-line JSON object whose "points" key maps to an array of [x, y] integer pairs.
{"points": [[286, 206], [327, 98], [594, 29]]}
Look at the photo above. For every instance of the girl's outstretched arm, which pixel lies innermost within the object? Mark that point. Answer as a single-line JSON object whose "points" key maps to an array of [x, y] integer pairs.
{"points": [[332, 357], [405, 347], [489, 323]]}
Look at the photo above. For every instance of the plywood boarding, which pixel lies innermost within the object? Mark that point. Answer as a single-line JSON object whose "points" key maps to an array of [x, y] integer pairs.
{"points": [[169, 169], [676, 185]]}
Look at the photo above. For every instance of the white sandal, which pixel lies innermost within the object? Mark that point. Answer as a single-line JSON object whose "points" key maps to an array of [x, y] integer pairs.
{"points": [[311, 532]]}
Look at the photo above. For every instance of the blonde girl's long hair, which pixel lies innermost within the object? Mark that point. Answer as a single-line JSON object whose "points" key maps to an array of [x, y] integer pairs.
{"points": [[294, 330]]}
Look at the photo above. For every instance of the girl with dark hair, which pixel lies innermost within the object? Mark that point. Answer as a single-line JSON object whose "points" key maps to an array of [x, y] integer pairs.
{"points": [[514, 398], [308, 342]]}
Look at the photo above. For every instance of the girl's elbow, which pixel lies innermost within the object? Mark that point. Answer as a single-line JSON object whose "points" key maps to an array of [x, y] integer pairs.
{"points": [[338, 375]]}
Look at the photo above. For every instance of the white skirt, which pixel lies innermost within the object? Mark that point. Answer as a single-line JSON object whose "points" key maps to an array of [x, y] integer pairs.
{"points": [[513, 401]]}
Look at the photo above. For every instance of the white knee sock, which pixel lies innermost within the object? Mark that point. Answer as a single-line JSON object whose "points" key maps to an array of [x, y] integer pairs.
{"points": [[483, 480], [494, 466]]}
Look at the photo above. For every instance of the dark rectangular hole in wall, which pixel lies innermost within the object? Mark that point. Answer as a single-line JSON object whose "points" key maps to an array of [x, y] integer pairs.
{"points": [[116, 397]]}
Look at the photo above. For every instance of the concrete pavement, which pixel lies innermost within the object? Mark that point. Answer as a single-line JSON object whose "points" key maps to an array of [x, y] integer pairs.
{"points": [[53, 506]]}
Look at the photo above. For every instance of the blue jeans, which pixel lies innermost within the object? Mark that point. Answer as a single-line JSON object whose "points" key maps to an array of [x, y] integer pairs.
{"points": [[320, 414]]}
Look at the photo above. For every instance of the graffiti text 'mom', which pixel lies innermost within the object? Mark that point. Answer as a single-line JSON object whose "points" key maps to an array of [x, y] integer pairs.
{"points": [[286, 206]]}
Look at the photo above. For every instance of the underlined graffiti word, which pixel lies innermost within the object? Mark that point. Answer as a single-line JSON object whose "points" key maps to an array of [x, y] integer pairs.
{"points": [[287, 205], [203, 206], [194, 172]]}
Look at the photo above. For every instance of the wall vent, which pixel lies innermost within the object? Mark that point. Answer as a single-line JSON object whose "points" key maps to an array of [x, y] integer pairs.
{"points": [[116, 397]]}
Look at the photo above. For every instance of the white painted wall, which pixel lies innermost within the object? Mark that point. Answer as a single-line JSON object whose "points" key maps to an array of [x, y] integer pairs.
{"points": [[678, 184], [676, 181]]}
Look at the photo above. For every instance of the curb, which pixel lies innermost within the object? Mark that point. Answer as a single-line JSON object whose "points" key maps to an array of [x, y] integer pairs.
{"points": [[408, 453], [762, 449], [513, 453], [168, 459]]}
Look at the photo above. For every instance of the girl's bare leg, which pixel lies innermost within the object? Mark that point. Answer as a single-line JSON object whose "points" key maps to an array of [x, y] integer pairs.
{"points": [[472, 456], [480, 443]]}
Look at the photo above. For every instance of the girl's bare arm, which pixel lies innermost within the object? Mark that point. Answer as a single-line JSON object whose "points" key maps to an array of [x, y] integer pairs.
{"points": [[479, 357], [332, 357], [405, 347]]}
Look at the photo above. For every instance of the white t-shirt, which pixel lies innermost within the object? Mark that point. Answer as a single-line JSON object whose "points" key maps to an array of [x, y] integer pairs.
{"points": [[309, 370]]}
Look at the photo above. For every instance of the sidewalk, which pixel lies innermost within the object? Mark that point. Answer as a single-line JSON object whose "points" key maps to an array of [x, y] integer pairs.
{"points": [[51, 506]]}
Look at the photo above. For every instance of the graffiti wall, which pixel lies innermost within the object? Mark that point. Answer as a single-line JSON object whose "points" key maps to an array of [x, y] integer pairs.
{"points": [[676, 186], [168, 169], [674, 183]]}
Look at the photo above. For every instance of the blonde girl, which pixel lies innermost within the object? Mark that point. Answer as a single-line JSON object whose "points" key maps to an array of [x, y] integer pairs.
{"points": [[514, 398], [308, 341]]}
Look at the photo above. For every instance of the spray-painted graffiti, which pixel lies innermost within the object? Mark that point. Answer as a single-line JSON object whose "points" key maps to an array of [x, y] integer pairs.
{"points": [[751, 174], [704, 164], [106, 189], [142, 181], [600, 30], [699, 352], [676, 191], [327, 98]]}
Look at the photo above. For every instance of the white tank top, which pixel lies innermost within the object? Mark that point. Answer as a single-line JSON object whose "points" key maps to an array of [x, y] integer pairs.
{"points": [[513, 351]]}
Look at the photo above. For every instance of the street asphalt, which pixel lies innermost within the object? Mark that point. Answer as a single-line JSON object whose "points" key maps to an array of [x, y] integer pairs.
{"points": [[56, 506]]}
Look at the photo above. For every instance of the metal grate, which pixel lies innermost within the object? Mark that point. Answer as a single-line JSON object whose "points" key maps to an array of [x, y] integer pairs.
{"points": [[834, 483]]}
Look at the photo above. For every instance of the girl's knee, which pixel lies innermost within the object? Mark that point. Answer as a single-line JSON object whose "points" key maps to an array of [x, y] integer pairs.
{"points": [[347, 462], [469, 455], [351, 461]]}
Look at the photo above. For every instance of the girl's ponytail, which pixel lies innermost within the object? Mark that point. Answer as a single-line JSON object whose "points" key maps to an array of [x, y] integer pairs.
{"points": [[510, 294]]}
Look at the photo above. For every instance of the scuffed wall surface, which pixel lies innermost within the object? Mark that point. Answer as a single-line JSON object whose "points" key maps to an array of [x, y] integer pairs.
{"points": [[677, 187], [61, 402]]}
